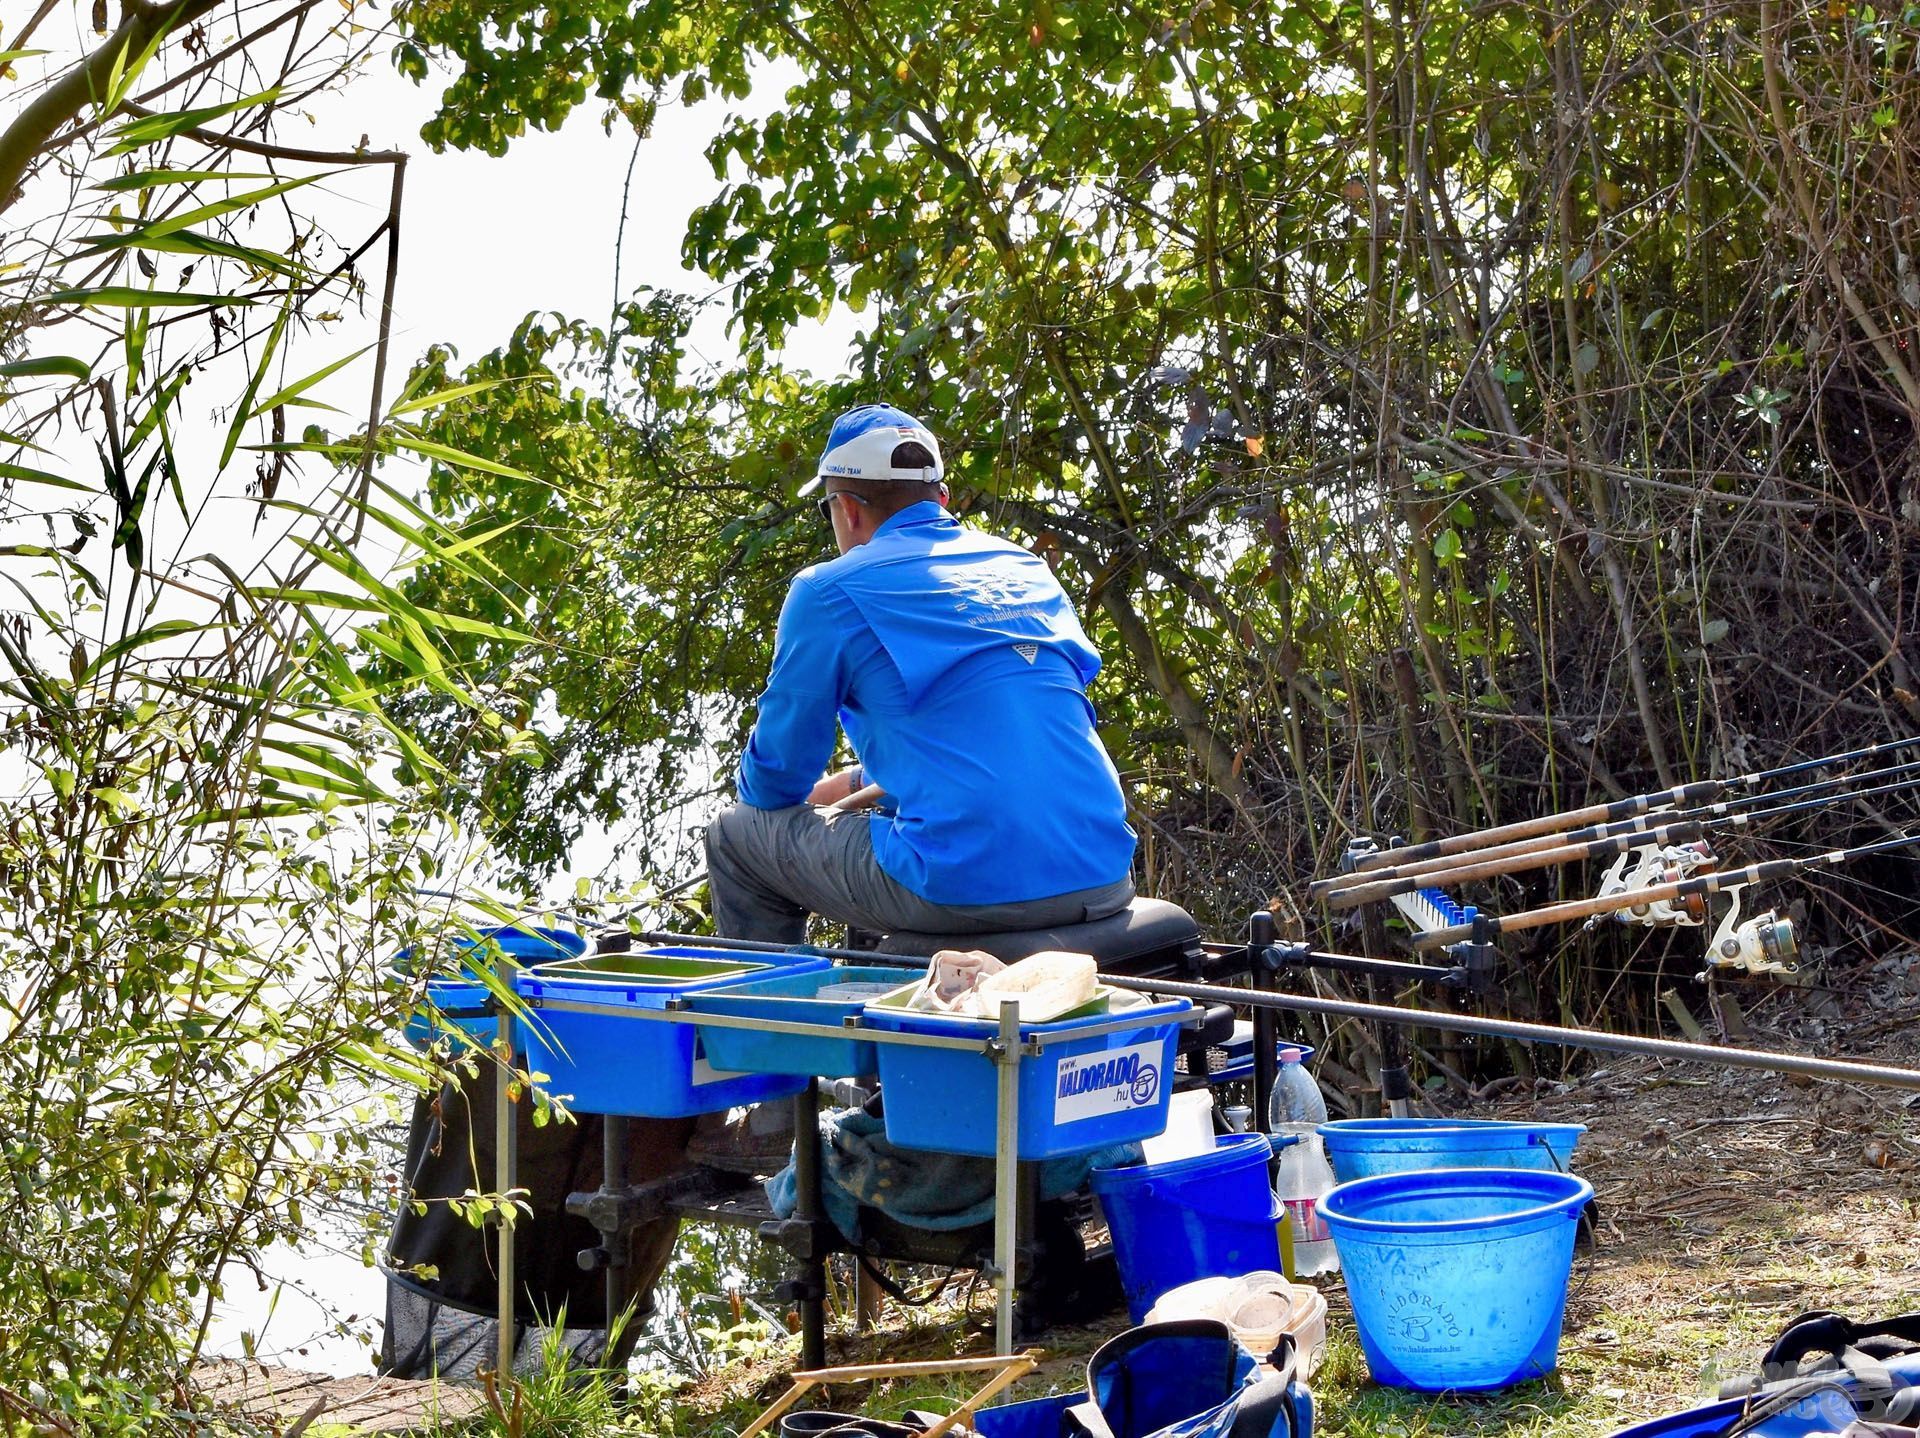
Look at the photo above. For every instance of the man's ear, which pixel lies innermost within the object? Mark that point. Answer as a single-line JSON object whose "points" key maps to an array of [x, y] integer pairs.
{"points": [[943, 494]]}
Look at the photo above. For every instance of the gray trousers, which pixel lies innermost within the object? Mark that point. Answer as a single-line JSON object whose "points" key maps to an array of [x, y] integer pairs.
{"points": [[770, 868]]}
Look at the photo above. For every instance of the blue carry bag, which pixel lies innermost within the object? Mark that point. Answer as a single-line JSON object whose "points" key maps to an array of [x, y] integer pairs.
{"points": [[1825, 1374], [1189, 1380]]}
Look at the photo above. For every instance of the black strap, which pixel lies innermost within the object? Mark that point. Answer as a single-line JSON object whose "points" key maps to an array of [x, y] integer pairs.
{"points": [[1823, 1331], [1267, 1400], [1821, 1351]]}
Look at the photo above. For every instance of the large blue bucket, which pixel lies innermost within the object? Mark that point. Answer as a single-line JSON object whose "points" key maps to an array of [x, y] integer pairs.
{"points": [[1458, 1277], [1369, 1147], [1209, 1216]]}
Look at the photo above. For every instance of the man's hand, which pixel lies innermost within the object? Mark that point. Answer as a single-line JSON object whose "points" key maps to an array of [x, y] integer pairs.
{"points": [[836, 787]]}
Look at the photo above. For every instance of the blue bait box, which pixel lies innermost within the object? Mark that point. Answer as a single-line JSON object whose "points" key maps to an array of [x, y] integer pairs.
{"points": [[640, 1068], [459, 1001], [823, 997], [1080, 1092]]}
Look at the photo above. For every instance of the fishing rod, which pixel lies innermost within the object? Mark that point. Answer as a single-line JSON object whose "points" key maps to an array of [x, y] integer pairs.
{"points": [[1684, 827], [1636, 899], [1734, 810], [1681, 794]]}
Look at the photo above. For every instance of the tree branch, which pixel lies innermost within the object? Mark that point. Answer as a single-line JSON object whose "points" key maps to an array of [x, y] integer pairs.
{"points": [[140, 24]]}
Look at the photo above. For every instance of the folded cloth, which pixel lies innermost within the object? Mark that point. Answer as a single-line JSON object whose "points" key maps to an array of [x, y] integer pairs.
{"points": [[938, 1191]]}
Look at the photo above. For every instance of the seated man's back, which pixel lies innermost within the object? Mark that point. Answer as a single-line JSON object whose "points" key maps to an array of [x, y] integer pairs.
{"points": [[957, 669]]}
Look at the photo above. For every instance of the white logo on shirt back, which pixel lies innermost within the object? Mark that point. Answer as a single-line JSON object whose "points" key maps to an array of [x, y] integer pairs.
{"points": [[1028, 652]]}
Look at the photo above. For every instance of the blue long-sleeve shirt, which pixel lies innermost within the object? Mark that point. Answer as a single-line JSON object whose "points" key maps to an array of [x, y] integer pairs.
{"points": [[955, 664]]}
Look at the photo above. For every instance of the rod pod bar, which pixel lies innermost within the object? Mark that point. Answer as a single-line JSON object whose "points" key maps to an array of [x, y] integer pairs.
{"points": [[1838, 1070]]}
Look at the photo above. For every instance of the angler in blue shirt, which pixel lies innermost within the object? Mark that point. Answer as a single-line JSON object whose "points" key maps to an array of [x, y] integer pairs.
{"points": [[954, 664]]}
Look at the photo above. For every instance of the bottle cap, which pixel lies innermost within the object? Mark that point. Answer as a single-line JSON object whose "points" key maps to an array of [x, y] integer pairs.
{"points": [[1289, 1056]]}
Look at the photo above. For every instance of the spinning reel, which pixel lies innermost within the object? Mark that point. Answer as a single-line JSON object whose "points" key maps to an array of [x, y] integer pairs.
{"points": [[1764, 944], [1644, 868]]}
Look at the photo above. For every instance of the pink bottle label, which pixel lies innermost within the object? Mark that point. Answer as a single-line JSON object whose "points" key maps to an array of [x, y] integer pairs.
{"points": [[1308, 1225]]}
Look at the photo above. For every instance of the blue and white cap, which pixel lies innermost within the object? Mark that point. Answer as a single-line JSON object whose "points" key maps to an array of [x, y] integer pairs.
{"points": [[861, 444]]}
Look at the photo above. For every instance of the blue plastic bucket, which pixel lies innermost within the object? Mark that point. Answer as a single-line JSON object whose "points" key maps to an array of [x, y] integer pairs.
{"points": [[1369, 1147], [1077, 1094], [1209, 1216], [459, 1003], [805, 998], [1458, 1277], [642, 1068]]}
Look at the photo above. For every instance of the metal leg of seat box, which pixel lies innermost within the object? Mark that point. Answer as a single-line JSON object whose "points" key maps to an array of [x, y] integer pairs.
{"points": [[613, 1179], [1260, 934], [810, 1287], [1027, 1255], [1005, 1049], [1396, 1087], [505, 1180]]}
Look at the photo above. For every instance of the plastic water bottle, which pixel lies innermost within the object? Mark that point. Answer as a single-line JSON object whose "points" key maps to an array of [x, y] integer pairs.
{"points": [[1303, 1180], [1296, 1097]]}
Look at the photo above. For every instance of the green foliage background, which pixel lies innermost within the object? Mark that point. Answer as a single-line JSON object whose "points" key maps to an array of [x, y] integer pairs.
{"points": [[1443, 412]]}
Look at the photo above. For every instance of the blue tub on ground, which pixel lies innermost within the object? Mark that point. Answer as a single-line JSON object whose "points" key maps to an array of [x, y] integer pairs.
{"points": [[1211, 1215], [1458, 1277], [805, 998], [461, 1000], [640, 1068], [1076, 1094], [1368, 1147]]}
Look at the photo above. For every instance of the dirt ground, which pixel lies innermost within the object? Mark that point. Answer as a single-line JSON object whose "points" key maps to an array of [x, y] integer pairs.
{"points": [[1729, 1202]]}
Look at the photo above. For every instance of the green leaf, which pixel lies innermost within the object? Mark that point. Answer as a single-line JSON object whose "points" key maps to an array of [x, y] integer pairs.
{"points": [[148, 179], [40, 476], [1714, 630], [126, 297], [1446, 545], [216, 208], [243, 411], [188, 242], [127, 644], [47, 365], [301, 386], [1586, 359], [150, 128], [447, 454], [445, 396]]}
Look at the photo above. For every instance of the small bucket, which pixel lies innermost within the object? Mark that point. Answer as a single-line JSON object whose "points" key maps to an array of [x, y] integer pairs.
{"points": [[1458, 1277], [1207, 1216], [1369, 1147]]}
